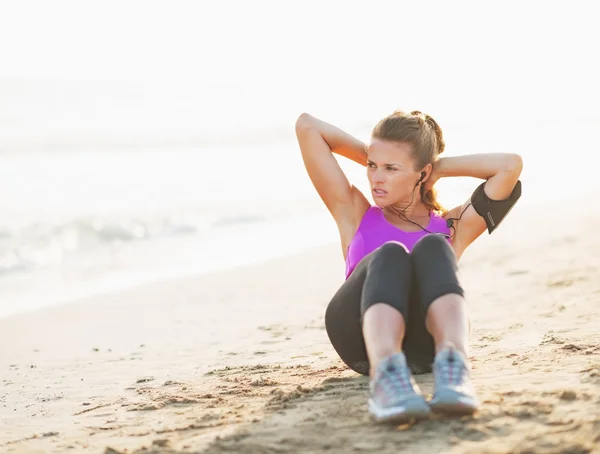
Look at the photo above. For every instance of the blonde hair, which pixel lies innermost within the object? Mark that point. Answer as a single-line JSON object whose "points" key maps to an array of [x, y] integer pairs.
{"points": [[424, 134]]}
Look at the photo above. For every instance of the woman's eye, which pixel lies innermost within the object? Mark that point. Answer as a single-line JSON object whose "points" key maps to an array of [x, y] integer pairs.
{"points": [[391, 168]]}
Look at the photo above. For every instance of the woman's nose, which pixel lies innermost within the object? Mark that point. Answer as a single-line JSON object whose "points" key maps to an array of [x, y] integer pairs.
{"points": [[377, 177]]}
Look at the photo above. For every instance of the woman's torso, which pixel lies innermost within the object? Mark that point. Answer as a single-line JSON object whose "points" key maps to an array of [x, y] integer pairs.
{"points": [[375, 230]]}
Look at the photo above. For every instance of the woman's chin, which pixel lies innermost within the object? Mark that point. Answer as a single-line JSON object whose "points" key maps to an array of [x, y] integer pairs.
{"points": [[380, 199]]}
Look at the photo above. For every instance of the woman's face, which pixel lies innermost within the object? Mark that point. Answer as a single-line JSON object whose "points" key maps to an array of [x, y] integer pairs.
{"points": [[391, 172]]}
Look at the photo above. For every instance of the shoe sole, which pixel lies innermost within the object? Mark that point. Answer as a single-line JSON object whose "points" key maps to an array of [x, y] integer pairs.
{"points": [[413, 408], [453, 402]]}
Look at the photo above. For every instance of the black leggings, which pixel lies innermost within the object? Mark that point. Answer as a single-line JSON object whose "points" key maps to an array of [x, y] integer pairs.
{"points": [[409, 282]]}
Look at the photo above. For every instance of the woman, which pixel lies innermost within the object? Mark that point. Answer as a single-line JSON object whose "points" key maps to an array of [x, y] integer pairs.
{"points": [[401, 308]]}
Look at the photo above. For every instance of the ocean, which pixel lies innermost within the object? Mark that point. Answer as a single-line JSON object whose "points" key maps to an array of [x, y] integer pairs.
{"points": [[86, 209]]}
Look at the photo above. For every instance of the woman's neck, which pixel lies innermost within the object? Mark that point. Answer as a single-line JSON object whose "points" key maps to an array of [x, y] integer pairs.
{"points": [[415, 210], [408, 218]]}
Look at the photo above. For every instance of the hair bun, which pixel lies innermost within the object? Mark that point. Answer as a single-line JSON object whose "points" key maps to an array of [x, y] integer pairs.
{"points": [[438, 133]]}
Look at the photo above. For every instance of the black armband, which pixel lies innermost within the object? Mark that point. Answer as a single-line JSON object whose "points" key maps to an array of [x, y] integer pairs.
{"points": [[494, 211]]}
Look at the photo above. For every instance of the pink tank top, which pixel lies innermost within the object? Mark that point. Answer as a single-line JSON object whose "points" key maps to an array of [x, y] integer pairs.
{"points": [[375, 230]]}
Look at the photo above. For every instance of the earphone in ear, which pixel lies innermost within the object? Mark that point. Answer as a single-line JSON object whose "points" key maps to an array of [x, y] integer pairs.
{"points": [[420, 179]]}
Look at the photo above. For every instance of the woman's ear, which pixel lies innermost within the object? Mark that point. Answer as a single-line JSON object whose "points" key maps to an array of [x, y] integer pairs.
{"points": [[426, 172]]}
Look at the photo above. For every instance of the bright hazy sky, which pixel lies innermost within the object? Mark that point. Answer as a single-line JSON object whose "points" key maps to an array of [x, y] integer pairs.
{"points": [[449, 57]]}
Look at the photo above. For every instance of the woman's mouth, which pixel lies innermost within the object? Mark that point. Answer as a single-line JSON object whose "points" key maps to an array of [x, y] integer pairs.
{"points": [[379, 192]]}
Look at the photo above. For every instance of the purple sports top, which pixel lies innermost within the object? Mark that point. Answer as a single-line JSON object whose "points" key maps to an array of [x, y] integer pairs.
{"points": [[375, 230]]}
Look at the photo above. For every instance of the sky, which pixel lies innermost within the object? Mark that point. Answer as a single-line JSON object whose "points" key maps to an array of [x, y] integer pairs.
{"points": [[139, 65]]}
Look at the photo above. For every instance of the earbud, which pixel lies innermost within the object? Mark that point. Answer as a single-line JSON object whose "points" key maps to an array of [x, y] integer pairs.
{"points": [[449, 223], [420, 179]]}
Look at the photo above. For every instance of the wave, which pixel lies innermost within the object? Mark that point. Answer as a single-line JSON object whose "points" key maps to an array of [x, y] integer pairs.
{"points": [[36, 245]]}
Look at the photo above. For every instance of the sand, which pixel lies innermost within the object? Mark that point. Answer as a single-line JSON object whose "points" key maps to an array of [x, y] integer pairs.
{"points": [[239, 361]]}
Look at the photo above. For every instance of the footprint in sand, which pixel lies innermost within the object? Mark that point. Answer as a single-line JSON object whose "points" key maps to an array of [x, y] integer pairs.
{"points": [[270, 342], [565, 282], [145, 379], [550, 338], [584, 349], [490, 338], [568, 278], [591, 374], [275, 330], [568, 395], [315, 324]]}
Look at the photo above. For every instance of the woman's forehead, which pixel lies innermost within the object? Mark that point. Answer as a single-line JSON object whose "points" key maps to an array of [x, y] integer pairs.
{"points": [[385, 150]]}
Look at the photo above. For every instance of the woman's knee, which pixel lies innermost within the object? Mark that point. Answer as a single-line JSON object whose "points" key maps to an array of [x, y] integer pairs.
{"points": [[388, 278], [392, 251], [431, 246], [388, 260], [432, 250], [435, 269]]}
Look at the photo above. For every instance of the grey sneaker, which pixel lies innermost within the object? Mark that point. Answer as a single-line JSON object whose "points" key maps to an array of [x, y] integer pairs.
{"points": [[394, 395], [453, 388]]}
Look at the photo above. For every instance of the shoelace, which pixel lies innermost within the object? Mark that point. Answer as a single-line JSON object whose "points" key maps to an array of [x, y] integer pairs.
{"points": [[394, 381], [451, 372]]}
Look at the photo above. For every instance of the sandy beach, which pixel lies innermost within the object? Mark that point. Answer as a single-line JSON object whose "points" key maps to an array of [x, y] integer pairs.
{"points": [[239, 361], [166, 260]]}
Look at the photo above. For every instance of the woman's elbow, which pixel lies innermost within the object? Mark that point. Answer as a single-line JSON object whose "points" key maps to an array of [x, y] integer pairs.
{"points": [[514, 163], [304, 122]]}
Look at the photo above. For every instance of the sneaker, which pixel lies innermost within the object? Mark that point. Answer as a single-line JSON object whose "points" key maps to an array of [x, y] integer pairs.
{"points": [[453, 388], [394, 395]]}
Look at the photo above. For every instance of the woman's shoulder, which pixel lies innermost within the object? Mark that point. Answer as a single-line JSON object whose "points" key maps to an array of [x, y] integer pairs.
{"points": [[439, 221], [447, 214]]}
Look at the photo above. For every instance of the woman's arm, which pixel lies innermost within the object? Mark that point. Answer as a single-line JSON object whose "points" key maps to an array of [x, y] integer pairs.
{"points": [[338, 141], [317, 140], [501, 170]]}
